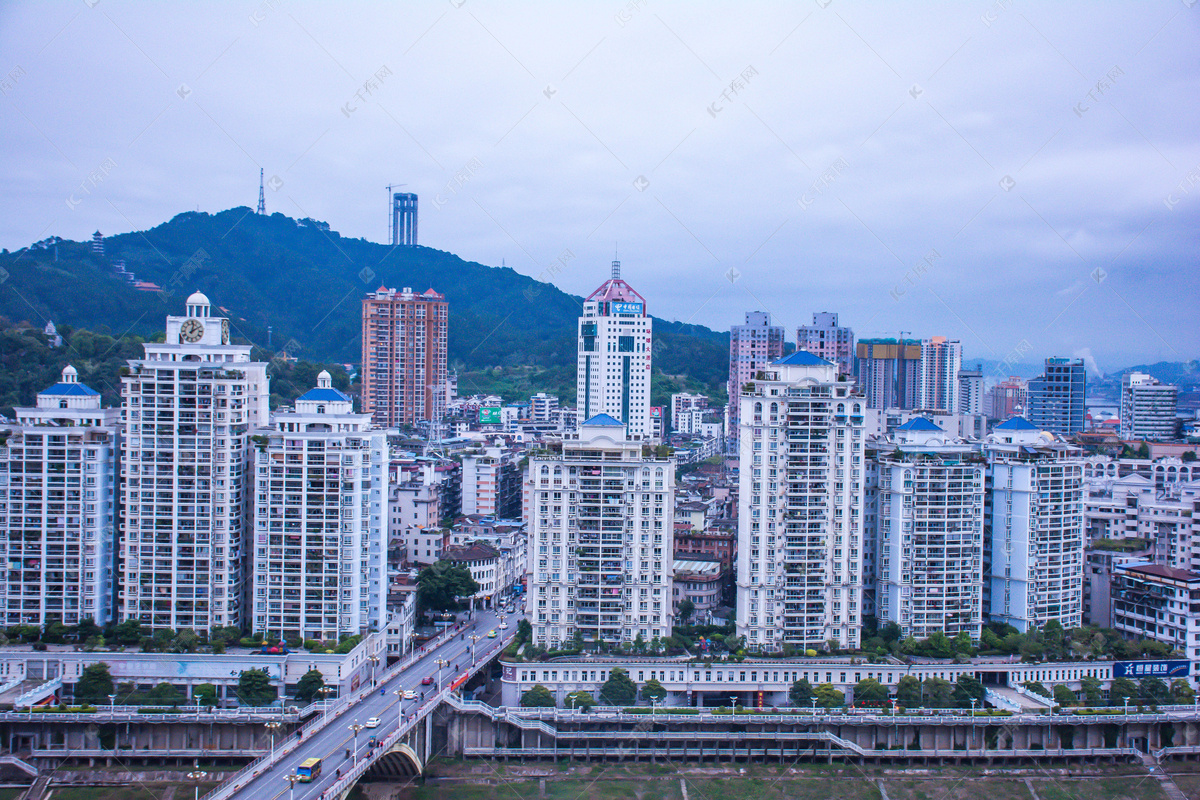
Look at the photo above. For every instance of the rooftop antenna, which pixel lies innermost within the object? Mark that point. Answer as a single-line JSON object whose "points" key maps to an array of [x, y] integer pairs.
{"points": [[262, 199], [616, 264]]}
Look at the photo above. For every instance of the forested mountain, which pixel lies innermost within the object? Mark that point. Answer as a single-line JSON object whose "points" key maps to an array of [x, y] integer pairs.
{"points": [[306, 282]]}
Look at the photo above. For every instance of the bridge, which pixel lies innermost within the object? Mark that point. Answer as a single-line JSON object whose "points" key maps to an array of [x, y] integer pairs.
{"points": [[402, 736]]}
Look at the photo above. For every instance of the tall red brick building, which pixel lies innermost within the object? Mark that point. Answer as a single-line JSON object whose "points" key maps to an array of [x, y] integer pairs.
{"points": [[404, 356]]}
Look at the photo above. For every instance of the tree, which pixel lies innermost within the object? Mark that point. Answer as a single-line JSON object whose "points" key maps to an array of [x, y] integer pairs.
{"points": [[1064, 697], [653, 690], [54, 633], [937, 693], [128, 632], [1181, 693], [937, 646], [686, 609], [1037, 687], [537, 697], [1053, 638], [829, 697], [1153, 691], [1090, 687], [908, 692], [1120, 690], [164, 694], [579, 699], [524, 630], [439, 586], [207, 693], [870, 691], [619, 689], [966, 689], [963, 645], [185, 641], [310, 685], [95, 684], [254, 688], [801, 693]]}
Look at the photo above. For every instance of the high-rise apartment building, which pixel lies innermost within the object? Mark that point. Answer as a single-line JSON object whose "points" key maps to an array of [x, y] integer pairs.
{"points": [[828, 340], [751, 347], [889, 372], [58, 469], [189, 408], [601, 539], [404, 356], [1056, 396], [941, 359], [927, 506], [687, 411], [491, 483], [613, 368], [970, 391], [800, 507], [1008, 398], [1033, 527], [1147, 407], [318, 555]]}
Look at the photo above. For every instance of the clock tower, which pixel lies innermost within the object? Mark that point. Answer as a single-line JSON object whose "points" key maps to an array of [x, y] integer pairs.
{"points": [[197, 326]]}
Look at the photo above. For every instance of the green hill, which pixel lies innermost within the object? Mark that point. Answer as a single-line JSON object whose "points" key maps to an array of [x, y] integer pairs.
{"points": [[306, 282]]}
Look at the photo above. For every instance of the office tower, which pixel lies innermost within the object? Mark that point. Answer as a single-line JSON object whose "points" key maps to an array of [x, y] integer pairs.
{"points": [[189, 407], [404, 357], [1033, 527], [1009, 398], [752, 347], [542, 407], [889, 372], [613, 372], [56, 516], [826, 339], [601, 542], [1147, 407], [941, 359], [404, 219], [970, 390], [800, 503], [318, 558], [491, 483], [1056, 397], [928, 511]]}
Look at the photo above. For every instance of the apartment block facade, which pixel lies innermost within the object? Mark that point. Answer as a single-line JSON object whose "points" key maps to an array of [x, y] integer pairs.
{"points": [[404, 377]]}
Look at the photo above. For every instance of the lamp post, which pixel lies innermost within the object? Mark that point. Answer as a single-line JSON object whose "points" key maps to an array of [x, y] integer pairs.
{"points": [[474, 637], [374, 659], [399, 692], [291, 779], [356, 728], [197, 696], [974, 700], [441, 662], [112, 704], [814, 702], [273, 726], [197, 776], [733, 704], [325, 691]]}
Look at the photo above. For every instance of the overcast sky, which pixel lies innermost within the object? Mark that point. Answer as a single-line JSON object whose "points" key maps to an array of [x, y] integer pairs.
{"points": [[1023, 177]]}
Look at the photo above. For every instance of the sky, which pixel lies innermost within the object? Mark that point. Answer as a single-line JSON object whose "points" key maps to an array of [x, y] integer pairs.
{"points": [[1023, 177]]}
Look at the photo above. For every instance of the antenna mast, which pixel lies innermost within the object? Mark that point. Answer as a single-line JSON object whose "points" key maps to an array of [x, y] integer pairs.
{"points": [[262, 199]]}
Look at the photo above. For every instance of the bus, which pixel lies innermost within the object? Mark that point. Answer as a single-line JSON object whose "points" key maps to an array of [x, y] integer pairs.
{"points": [[309, 770]]}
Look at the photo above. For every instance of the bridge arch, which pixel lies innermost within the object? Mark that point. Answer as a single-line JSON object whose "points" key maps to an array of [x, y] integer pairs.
{"points": [[400, 761]]}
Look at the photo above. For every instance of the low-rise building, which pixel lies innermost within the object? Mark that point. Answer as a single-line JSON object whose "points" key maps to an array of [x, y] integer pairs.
{"points": [[484, 562], [704, 583], [1154, 601]]}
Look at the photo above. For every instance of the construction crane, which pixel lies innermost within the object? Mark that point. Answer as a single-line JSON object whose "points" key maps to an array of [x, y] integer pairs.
{"points": [[391, 209]]}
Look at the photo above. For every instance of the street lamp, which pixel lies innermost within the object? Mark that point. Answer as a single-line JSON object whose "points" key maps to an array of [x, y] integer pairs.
{"points": [[374, 659], [273, 726], [974, 700], [814, 702], [1126, 706], [112, 704], [399, 692], [733, 704], [474, 637], [291, 779], [197, 776], [325, 691], [356, 728], [441, 662]]}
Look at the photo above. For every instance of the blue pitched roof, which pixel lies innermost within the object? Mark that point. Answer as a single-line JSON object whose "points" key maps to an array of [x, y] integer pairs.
{"points": [[604, 421], [324, 396], [919, 424], [1016, 424], [803, 358], [70, 390]]}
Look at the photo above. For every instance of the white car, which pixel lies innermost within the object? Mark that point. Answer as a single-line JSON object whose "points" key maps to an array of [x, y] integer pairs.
{"points": [[373, 722], [409, 694], [503, 626]]}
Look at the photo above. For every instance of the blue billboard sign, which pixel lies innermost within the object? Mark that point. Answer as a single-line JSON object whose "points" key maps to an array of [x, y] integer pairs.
{"points": [[625, 308], [1151, 669]]}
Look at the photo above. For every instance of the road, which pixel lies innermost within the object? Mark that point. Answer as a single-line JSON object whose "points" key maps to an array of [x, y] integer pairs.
{"points": [[330, 743]]}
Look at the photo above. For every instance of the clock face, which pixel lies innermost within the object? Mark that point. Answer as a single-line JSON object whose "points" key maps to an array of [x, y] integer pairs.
{"points": [[191, 331], [224, 331]]}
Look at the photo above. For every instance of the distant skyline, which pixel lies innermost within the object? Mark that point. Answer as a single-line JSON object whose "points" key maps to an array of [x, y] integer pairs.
{"points": [[1022, 177]]}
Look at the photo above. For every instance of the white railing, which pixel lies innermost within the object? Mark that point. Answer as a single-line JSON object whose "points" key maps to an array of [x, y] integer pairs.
{"points": [[38, 692]]}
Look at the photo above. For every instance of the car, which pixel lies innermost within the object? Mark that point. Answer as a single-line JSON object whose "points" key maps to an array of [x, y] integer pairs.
{"points": [[409, 694], [503, 626], [373, 722], [427, 680], [492, 634]]}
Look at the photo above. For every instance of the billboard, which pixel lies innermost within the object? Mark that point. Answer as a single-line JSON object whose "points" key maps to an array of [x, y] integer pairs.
{"points": [[489, 415], [625, 308], [1151, 669]]}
